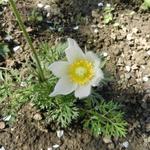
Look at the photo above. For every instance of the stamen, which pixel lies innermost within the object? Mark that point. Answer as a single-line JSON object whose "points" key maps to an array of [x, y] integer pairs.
{"points": [[81, 71]]}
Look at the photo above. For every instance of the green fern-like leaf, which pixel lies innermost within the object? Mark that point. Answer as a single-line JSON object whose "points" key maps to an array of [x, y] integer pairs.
{"points": [[106, 119], [64, 111]]}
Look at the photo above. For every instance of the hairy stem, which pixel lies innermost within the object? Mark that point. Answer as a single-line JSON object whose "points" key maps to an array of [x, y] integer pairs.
{"points": [[26, 35]]}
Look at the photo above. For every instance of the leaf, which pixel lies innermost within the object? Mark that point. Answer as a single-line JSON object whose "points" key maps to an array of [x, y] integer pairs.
{"points": [[108, 18], [4, 50], [147, 2], [39, 18]]}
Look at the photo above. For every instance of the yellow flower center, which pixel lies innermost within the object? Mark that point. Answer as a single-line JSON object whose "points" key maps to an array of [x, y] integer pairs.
{"points": [[81, 71]]}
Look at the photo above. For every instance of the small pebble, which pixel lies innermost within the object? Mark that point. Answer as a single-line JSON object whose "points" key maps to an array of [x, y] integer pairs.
{"points": [[37, 116], [148, 52], [76, 28], [100, 4], [47, 7], [48, 14], [128, 68], [134, 67], [145, 78], [113, 36], [1, 12], [40, 5], [16, 48], [125, 144], [60, 133], [2, 124], [135, 30], [129, 37], [23, 84], [95, 30], [111, 146], [8, 38], [55, 146], [127, 76], [105, 54], [147, 36], [2, 148], [107, 139], [147, 127], [142, 66], [132, 13], [108, 5], [116, 24], [29, 29], [50, 148]]}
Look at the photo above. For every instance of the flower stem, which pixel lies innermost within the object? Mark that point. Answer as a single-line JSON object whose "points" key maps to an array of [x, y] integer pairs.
{"points": [[26, 35]]}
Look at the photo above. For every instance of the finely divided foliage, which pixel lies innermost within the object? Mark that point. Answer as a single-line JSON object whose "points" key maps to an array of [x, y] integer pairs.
{"points": [[98, 116]]}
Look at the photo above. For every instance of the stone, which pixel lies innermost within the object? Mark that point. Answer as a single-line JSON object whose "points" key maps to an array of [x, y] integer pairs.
{"points": [[100, 4], [129, 37], [40, 5], [16, 48], [105, 54], [76, 28], [134, 67], [135, 30], [113, 36], [147, 127], [127, 76], [96, 30], [111, 146], [145, 78], [107, 139], [128, 68], [55, 146], [37, 117], [60, 133], [2, 125], [2, 148], [148, 52], [125, 144]]}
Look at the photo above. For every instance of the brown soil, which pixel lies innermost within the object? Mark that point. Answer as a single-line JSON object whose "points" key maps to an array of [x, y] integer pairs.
{"points": [[127, 47]]}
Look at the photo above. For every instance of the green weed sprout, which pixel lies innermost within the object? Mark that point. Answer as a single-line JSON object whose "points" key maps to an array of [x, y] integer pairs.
{"points": [[4, 50], [145, 5], [35, 16], [108, 16], [3, 2]]}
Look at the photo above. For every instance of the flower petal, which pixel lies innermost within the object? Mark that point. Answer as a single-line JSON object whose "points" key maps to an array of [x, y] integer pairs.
{"points": [[83, 91], [99, 75], [93, 58], [59, 68], [64, 86], [73, 51]]}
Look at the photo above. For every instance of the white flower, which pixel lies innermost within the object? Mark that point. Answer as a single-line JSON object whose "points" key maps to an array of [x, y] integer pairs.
{"points": [[79, 73]]}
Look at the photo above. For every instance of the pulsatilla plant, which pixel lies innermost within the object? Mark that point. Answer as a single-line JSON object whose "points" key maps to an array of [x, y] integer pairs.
{"points": [[53, 94]]}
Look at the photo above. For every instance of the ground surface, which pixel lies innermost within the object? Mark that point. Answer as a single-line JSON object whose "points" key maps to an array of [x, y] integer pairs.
{"points": [[127, 49]]}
